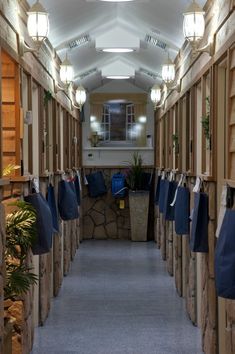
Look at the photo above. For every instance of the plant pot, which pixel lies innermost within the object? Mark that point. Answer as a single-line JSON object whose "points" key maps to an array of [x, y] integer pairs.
{"points": [[139, 211]]}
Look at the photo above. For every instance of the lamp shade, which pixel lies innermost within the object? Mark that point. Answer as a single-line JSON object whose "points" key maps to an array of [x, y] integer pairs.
{"points": [[194, 23], [168, 71], [80, 96], [38, 23], [155, 95], [66, 71]]}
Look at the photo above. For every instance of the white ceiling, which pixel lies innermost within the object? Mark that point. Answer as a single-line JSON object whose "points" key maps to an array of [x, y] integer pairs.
{"points": [[70, 19]]}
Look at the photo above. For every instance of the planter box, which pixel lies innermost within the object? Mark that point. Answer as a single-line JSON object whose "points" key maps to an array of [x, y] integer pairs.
{"points": [[139, 211]]}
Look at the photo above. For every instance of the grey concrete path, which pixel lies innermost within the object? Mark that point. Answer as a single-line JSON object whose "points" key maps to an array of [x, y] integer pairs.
{"points": [[117, 299]]}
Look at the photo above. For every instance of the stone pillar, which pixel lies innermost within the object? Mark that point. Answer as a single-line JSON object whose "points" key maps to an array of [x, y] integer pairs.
{"points": [[169, 254], [67, 246], [73, 238], [157, 226], [45, 273], [178, 262], [163, 236], [209, 300], [78, 230], [57, 248], [230, 328], [44, 286]]}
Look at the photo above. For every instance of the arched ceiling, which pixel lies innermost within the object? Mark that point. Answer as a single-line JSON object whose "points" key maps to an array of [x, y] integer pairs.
{"points": [[160, 19]]}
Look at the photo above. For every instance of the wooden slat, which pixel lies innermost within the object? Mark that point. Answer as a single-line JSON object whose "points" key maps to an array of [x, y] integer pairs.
{"points": [[9, 141], [8, 116], [232, 87], [8, 90], [232, 112]]}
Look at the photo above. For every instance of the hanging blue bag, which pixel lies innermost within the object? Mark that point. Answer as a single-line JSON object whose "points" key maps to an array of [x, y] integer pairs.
{"points": [[162, 195], [199, 231], [67, 201], [225, 257], [168, 210], [118, 185], [96, 184], [52, 206], [44, 224], [157, 190], [146, 181], [182, 211]]}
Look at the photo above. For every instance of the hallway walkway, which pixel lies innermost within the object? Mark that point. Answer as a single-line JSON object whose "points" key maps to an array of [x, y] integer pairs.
{"points": [[117, 299]]}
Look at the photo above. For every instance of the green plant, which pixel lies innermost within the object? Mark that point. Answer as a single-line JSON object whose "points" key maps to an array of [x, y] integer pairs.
{"points": [[9, 169], [175, 139], [206, 120], [135, 172], [47, 96], [20, 236]]}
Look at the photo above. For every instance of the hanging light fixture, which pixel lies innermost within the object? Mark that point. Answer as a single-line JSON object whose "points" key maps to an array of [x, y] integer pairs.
{"points": [[66, 71], [38, 23], [194, 29], [168, 71], [194, 23], [155, 95], [80, 96]]}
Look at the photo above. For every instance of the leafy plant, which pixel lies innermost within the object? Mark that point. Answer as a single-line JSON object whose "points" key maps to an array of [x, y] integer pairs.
{"points": [[135, 172], [175, 139], [9, 169], [47, 96], [20, 236], [206, 120]]}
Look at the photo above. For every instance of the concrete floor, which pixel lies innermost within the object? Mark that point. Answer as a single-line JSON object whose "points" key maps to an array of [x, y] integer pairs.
{"points": [[117, 299]]}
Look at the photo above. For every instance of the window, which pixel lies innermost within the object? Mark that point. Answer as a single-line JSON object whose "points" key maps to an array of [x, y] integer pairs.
{"points": [[119, 124]]}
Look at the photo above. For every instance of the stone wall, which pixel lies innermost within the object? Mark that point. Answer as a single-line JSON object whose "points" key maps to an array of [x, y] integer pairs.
{"points": [[2, 237], [102, 217]]}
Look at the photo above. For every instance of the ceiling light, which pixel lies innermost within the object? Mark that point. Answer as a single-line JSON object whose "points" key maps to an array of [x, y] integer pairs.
{"points": [[66, 71], [168, 71], [80, 96], [194, 23], [118, 77], [117, 50], [38, 23]]}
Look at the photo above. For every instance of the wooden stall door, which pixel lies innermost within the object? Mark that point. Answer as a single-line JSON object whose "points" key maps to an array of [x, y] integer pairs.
{"points": [[11, 125]]}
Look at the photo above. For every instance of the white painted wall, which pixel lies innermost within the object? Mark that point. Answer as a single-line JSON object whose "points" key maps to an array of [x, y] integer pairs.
{"points": [[115, 157]]}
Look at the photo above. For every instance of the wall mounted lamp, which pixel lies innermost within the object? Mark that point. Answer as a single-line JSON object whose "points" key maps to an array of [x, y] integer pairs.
{"points": [[194, 28], [38, 27], [80, 96], [168, 75], [155, 96], [168, 71], [66, 72]]}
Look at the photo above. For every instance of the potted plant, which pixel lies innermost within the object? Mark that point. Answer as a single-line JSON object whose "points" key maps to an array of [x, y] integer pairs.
{"points": [[206, 124], [20, 235], [138, 199]]}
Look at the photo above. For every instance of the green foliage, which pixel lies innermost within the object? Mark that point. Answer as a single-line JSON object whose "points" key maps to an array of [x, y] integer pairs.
{"points": [[18, 280], [47, 97], [9, 169], [206, 120], [135, 172], [175, 139], [20, 236]]}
